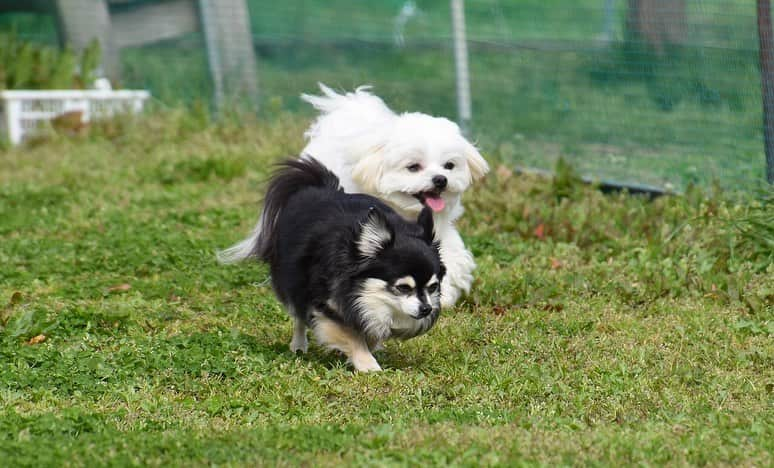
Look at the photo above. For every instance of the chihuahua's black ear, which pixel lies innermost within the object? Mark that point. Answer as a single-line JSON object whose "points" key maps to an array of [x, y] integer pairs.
{"points": [[375, 235], [425, 221]]}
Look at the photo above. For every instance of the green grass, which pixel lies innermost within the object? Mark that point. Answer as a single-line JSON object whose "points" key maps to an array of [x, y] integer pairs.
{"points": [[600, 330]]}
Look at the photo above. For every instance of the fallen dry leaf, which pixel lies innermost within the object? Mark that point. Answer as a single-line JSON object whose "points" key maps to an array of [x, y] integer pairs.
{"points": [[37, 339], [120, 287], [16, 297], [5, 312], [503, 173], [540, 231], [553, 307], [555, 264], [70, 122]]}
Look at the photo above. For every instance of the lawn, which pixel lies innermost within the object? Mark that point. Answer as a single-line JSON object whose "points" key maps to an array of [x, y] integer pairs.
{"points": [[606, 330]]}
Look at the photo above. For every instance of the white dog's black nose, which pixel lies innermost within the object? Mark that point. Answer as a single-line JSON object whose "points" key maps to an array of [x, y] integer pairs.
{"points": [[424, 310], [440, 181]]}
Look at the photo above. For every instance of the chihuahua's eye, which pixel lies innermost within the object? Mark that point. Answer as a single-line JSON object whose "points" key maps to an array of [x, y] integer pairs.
{"points": [[404, 288], [432, 288], [413, 167], [448, 166]]}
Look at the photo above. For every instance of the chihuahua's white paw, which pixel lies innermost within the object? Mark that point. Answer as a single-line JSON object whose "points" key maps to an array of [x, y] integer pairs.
{"points": [[365, 363], [299, 343]]}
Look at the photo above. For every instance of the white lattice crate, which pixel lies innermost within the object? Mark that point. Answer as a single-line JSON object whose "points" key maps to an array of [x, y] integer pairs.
{"points": [[23, 112]]}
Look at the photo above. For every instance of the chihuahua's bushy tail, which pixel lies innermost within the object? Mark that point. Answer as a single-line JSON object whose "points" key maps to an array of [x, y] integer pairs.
{"points": [[291, 176]]}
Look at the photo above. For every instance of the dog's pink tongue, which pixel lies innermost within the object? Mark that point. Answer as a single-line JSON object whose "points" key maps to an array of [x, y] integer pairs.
{"points": [[435, 203]]}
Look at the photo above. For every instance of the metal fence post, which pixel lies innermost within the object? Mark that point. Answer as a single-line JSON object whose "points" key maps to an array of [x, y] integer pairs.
{"points": [[230, 54], [609, 29], [767, 83], [81, 21], [461, 64]]}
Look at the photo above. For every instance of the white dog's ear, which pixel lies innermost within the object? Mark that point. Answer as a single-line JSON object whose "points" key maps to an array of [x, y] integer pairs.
{"points": [[476, 163], [369, 170]]}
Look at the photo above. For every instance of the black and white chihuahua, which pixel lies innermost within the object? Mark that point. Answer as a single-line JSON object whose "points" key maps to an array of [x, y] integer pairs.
{"points": [[347, 265]]}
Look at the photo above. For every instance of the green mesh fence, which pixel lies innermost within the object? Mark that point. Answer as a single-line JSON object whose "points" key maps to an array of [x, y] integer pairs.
{"points": [[662, 92]]}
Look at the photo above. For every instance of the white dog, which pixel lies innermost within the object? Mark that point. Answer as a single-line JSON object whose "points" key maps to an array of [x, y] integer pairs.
{"points": [[408, 160]]}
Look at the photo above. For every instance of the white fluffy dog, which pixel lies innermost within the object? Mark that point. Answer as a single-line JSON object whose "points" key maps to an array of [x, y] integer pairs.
{"points": [[408, 160]]}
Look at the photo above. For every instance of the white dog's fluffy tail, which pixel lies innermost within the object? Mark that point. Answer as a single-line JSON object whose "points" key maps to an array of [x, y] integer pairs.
{"points": [[331, 100], [349, 126], [344, 116], [357, 106]]}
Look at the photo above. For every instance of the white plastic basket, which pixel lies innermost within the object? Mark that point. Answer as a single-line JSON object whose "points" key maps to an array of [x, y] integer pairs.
{"points": [[24, 111]]}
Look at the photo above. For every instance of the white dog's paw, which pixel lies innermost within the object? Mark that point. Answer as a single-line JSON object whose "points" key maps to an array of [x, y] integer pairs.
{"points": [[459, 269], [453, 287], [449, 296], [365, 362]]}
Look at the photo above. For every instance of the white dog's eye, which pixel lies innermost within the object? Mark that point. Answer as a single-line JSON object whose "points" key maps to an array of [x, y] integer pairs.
{"points": [[432, 288], [449, 166], [404, 288], [413, 167]]}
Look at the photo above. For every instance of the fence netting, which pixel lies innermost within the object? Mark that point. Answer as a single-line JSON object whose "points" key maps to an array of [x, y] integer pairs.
{"points": [[661, 92]]}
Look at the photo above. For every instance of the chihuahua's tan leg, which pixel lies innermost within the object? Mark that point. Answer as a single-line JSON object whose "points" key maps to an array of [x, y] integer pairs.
{"points": [[346, 340]]}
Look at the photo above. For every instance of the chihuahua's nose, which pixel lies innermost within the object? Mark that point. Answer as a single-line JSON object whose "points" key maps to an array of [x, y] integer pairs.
{"points": [[424, 310], [440, 181]]}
